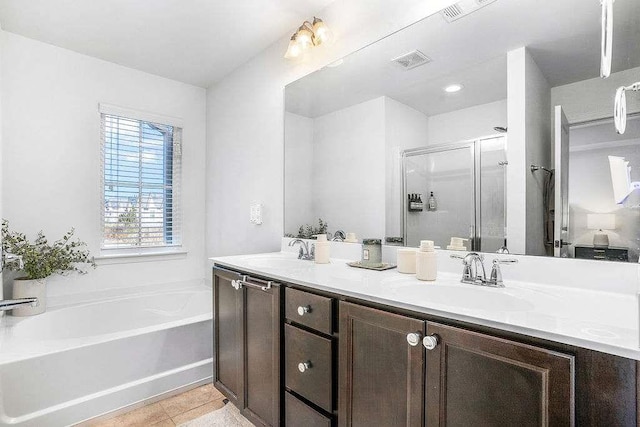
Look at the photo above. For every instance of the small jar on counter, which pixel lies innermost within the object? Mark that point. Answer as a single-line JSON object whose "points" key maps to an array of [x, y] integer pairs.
{"points": [[371, 252]]}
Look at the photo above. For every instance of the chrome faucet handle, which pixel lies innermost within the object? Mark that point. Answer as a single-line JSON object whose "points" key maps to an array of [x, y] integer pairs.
{"points": [[312, 251], [496, 274], [466, 270]]}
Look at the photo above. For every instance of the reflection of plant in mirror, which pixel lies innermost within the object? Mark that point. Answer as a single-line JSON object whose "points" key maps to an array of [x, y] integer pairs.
{"points": [[308, 231]]}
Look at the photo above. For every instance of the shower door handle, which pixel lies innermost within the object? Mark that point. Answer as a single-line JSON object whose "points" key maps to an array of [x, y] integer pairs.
{"points": [[561, 243]]}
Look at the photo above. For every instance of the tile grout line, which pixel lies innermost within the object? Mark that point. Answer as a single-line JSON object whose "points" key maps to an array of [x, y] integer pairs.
{"points": [[193, 409]]}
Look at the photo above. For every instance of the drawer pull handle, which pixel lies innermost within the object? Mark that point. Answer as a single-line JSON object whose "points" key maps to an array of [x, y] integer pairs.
{"points": [[304, 366], [304, 310], [413, 338], [238, 284], [430, 342]]}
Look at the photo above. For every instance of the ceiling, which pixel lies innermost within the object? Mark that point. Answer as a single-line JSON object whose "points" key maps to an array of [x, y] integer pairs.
{"points": [[563, 38], [194, 41]]}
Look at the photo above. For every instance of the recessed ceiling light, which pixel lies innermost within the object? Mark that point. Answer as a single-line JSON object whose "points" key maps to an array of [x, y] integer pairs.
{"points": [[453, 88]]}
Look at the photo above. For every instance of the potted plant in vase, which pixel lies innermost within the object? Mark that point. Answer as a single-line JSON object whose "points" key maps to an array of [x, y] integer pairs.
{"points": [[41, 259]]}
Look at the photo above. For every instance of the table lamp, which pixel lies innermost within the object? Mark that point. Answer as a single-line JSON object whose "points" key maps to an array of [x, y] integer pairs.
{"points": [[601, 222]]}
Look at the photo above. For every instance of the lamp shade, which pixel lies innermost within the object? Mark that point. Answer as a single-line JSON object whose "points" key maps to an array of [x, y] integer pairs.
{"points": [[601, 221], [294, 50]]}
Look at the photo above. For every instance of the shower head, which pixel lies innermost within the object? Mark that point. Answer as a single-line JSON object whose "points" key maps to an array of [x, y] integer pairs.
{"points": [[500, 129]]}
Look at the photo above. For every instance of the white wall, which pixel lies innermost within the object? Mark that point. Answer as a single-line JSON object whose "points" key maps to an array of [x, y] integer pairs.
{"points": [[1, 168], [51, 163], [594, 98], [538, 152], [405, 128], [529, 143], [468, 123], [348, 168], [516, 153], [298, 171], [245, 122]]}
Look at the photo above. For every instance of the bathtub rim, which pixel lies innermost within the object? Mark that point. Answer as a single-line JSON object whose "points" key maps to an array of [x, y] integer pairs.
{"points": [[14, 349]]}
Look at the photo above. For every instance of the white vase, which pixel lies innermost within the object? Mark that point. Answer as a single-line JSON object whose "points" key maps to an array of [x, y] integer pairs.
{"points": [[23, 288]]}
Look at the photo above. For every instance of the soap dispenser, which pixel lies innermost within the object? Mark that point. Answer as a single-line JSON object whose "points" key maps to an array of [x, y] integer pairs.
{"points": [[426, 261], [432, 205], [322, 249]]}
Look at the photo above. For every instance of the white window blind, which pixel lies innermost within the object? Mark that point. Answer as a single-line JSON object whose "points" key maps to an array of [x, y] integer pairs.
{"points": [[141, 170]]}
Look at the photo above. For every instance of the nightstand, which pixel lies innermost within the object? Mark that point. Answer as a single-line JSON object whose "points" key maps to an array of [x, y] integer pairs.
{"points": [[610, 253]]}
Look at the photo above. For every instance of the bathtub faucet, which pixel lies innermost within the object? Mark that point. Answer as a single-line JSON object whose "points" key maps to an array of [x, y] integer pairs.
{"points": [[7, 258], [10, 304]]}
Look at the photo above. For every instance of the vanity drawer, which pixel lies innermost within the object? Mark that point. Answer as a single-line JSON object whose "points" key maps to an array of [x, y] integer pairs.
{"points": [[309, 366], [296, 413], [309, 310]]}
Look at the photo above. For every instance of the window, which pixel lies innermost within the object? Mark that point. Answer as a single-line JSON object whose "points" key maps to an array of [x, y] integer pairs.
{"points": [[140, 183]]}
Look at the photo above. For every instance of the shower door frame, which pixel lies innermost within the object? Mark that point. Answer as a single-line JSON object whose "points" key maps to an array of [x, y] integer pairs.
{"points": [[476, 153], [475, 167]]}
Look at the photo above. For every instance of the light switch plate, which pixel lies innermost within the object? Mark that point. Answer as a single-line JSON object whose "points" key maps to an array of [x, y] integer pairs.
{"points": [[255, 215]]}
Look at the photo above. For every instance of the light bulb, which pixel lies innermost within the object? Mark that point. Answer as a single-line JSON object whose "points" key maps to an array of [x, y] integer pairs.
{"points": [[294, 50], [322, 33], [304, 38]]}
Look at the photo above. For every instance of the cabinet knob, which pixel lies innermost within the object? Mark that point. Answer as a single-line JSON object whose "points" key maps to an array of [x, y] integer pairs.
{"points": [[430, 342], [304, 366], [304, 310], [413, 338]]}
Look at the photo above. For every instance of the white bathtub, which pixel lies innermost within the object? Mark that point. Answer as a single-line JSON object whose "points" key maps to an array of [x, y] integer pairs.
{"points": [[81, 360]]}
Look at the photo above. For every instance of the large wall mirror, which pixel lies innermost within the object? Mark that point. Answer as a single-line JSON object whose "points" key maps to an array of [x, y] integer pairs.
{"points": [[488, 121]]}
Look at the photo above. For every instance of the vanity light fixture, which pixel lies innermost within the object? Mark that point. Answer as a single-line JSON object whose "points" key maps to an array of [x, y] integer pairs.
{"points": [[453, 88], [307, 36]]}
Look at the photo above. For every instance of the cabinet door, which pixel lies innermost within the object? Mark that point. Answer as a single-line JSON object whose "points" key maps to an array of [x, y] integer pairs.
{"points": [[476, 379], [381, 375], [228, 336], [262, 357]]}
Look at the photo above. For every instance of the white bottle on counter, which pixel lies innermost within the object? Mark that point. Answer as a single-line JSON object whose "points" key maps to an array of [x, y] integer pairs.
{"points": [[426, 261], [322, 249]]}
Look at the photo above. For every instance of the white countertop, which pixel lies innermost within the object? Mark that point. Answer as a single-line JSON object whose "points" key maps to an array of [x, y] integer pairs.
{"points": [[594, 319]]}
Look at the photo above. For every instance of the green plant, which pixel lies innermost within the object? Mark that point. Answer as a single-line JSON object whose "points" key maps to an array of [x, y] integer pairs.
{"points": [[308, 231], [42, 259]]}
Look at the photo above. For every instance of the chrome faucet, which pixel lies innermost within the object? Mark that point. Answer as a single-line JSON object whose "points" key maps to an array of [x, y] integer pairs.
{"points": [[10, 304], [474, 273], [8, 257], [339, 236], [305, 253]]}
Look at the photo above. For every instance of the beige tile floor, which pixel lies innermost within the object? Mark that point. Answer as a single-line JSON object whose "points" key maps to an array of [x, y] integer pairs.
{"points": [[170, 412]]}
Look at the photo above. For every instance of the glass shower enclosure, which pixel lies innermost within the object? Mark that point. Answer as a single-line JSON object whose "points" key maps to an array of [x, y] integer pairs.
{"points": [[468, 182]]}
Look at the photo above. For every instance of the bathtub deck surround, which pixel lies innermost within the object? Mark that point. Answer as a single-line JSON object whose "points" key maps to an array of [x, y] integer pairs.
{"points": [[131, 344], [582, 334]]}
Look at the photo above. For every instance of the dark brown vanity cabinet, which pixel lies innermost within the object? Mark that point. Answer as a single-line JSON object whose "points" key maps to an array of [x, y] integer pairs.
{"points": [[381, 379], [388, 376], [477, 379], [247, 321], [309, 359]]}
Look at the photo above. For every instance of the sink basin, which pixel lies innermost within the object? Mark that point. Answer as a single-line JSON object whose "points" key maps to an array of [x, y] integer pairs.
{"points": [[277, 263], [470, 298]]}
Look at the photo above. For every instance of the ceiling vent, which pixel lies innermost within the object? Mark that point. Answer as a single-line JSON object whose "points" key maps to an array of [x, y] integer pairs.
{"points": [[411, 60], [463, 8]]}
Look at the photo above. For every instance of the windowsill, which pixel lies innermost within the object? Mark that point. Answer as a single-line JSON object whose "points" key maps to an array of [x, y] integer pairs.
{"points": [[108, 257]]}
